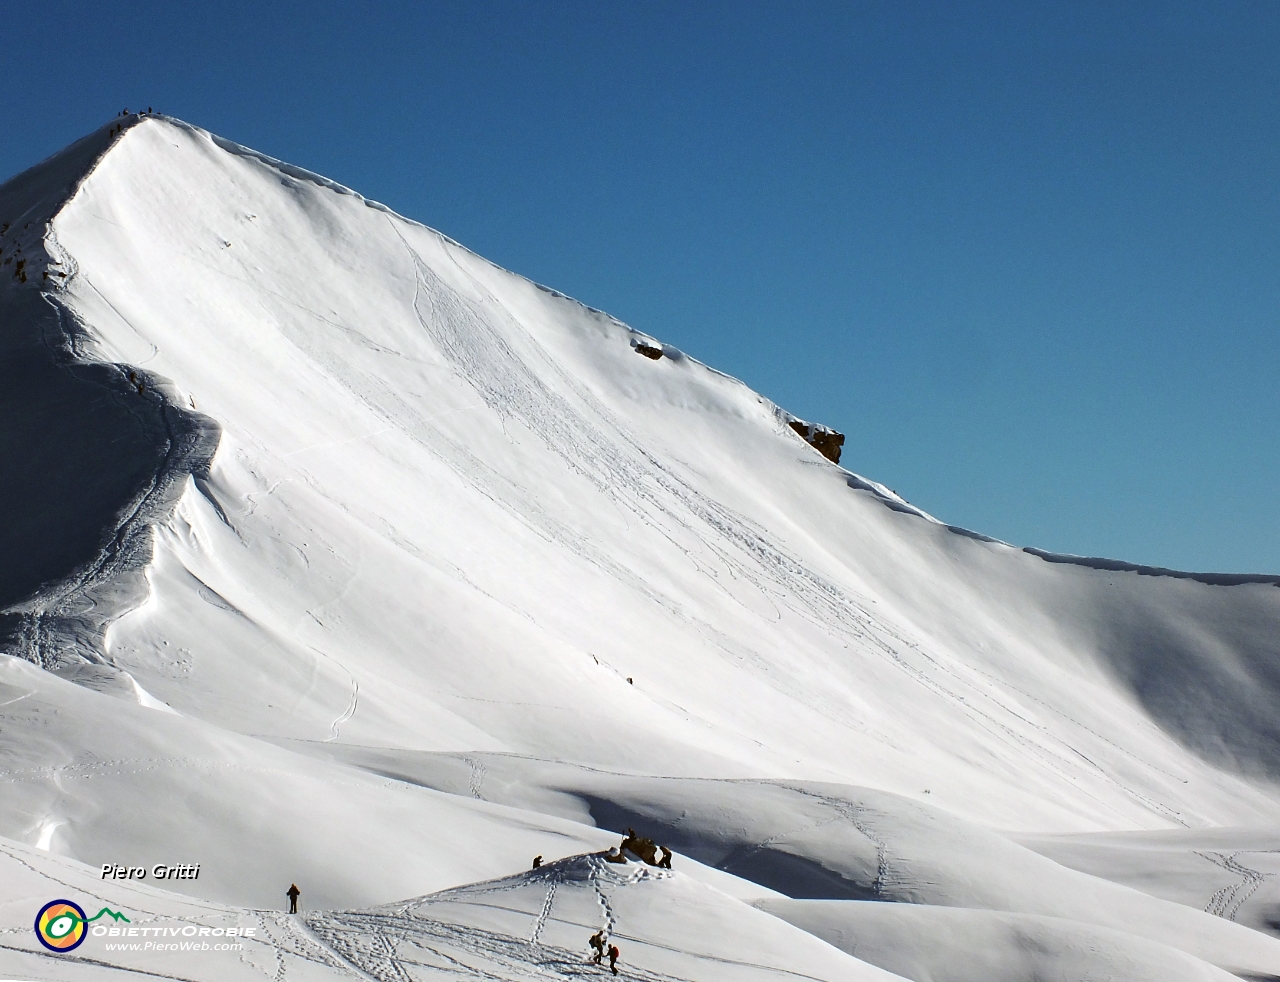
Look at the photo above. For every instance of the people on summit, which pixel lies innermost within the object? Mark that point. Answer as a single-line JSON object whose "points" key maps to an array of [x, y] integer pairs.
{"points": [[293, 893], [644, 848], [597, 942], [537, 861]]}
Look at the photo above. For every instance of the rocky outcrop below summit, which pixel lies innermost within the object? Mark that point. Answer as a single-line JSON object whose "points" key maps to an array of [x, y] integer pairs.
{"points": [[822, 438]]}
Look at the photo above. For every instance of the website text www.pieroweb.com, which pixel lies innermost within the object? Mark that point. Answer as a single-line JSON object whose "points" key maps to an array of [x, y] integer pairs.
{"points": [[171, 937]]}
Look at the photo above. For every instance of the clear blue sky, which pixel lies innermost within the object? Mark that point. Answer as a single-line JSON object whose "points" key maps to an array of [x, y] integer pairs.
{"points": [[1025, 255]]}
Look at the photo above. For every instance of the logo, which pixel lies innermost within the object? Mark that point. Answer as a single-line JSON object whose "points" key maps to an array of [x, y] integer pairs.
{"points": [[61, 924]]}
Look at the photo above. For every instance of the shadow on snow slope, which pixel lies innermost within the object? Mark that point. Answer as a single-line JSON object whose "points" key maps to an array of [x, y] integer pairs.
{"points": [[91, 461]]}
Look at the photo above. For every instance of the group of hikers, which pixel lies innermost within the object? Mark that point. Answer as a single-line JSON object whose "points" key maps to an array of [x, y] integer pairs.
{"points": [[644, 849], [119, 127], [598, 943], [640, 847]]}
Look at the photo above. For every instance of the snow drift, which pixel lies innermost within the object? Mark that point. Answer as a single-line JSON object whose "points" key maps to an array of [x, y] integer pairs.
{"points": [[380, 564]]}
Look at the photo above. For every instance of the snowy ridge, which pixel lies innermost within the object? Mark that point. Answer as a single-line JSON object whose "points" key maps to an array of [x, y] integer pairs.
{"points": [[381, 569], [1117, 566], [71, 612]]}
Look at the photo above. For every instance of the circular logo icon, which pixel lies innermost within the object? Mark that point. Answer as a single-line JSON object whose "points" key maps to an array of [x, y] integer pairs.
{"points": [[60, 925]]}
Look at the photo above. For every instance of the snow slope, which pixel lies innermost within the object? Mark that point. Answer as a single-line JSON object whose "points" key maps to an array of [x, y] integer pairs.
{"points": [[526, 926], [981, 946], [383, 567], [1231, 872]]}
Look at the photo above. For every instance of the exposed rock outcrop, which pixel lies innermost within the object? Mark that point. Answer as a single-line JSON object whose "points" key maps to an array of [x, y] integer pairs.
{"points": [[648, 350], [822, 438]]}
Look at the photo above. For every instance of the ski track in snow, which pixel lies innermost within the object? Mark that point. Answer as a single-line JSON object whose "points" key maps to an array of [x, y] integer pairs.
{"points": [[848, 811], [402, 943], [1227, 901], [350, 711], [578, 431], [631, 474], [476, 780], [329, 956], [401, 948]]}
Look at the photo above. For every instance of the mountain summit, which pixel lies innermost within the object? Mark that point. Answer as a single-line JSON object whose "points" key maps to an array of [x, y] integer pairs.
{"points": [[373, 559]]}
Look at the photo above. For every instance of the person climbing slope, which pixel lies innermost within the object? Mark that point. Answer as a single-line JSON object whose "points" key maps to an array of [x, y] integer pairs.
{"points": [[597, 942], [613, 958]]}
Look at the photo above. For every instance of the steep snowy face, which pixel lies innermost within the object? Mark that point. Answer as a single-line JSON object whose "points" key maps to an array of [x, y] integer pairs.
{"points": [[403, 498]]}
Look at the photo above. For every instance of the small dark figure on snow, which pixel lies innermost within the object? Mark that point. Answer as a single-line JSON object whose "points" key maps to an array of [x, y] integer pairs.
{"points": [[537, 861], [614, 855], [665, 862], [597, 942], [613, 958], [293, 893]]}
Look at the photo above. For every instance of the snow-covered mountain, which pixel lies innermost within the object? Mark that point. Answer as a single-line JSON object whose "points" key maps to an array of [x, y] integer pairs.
{"points": [[337, 555]]}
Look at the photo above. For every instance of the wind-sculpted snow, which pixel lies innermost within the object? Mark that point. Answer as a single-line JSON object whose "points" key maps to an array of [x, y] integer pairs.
{"points": [[1231, 873], [91, 464], [385, 569], [410, 431]]}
